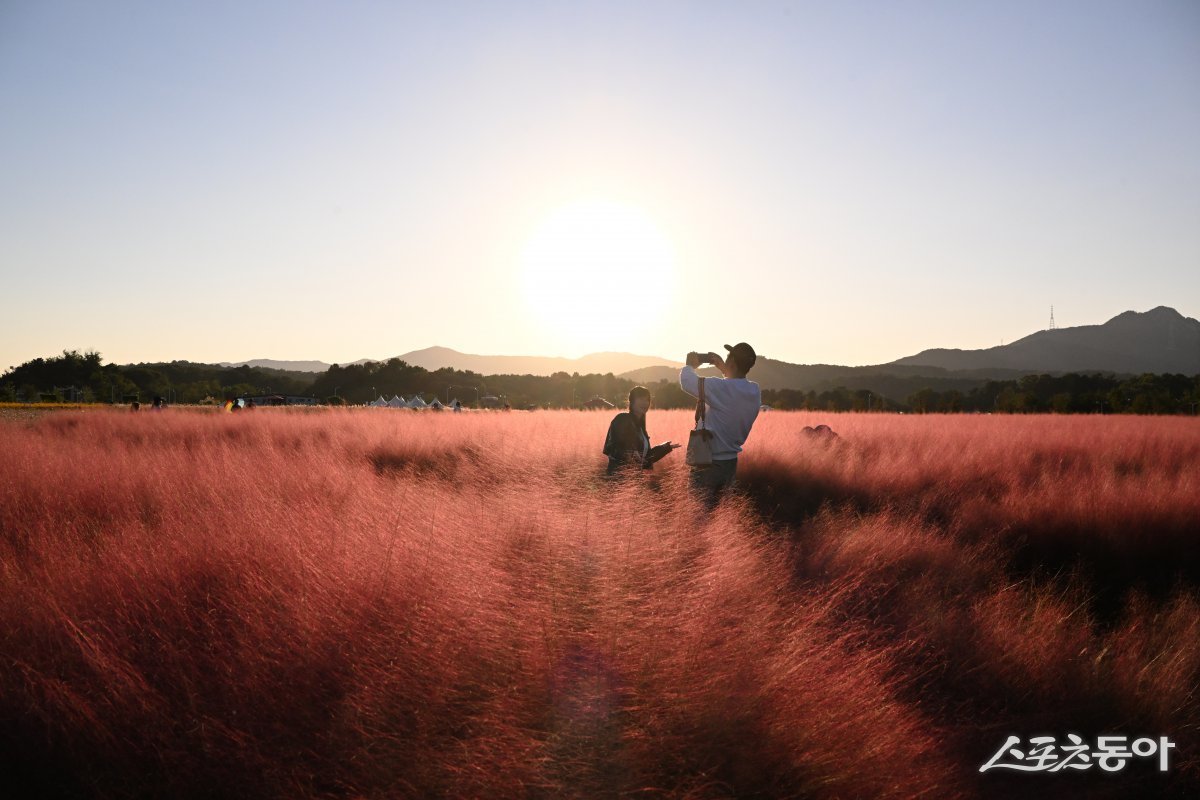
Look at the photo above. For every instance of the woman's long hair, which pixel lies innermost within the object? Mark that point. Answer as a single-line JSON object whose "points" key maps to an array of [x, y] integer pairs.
{"points": [[634, 393]]}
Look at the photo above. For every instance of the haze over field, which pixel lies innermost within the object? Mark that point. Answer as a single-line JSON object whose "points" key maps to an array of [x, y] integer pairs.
{"points": [[835, 183]]}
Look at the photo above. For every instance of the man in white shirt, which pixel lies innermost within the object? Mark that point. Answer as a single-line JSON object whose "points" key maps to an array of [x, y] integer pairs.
{"points": [[732, 405]]}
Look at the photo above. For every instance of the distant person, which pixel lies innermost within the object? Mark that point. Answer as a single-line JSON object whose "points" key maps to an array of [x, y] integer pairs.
{"points": [[157, 404], [627, 442], [135, 406], [732, 404]]}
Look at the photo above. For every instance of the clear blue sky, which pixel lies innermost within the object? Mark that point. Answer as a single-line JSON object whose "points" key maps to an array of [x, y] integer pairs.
{"points": [[838, 182]]}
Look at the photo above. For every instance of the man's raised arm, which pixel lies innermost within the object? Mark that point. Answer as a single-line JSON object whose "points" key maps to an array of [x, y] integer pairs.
{"points": [[689, 381]]}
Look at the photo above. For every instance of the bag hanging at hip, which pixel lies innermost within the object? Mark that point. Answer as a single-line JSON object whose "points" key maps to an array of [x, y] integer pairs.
{"points": [[699, 448]]}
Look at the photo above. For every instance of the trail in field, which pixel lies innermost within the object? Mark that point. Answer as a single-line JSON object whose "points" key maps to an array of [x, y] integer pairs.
{"points": [[585, 712]]}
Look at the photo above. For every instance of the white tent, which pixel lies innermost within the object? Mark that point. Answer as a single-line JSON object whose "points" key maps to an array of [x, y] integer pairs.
{"points": [[380, 403], [455, 405], [397, 402], [416, 402], [436, 405]]}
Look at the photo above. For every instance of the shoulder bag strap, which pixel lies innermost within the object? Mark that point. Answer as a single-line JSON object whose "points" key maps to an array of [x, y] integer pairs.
{"points": [[700, 405]]}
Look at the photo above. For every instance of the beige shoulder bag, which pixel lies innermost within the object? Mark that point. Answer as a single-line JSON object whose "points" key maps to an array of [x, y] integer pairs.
{"points": [[699, 448]]}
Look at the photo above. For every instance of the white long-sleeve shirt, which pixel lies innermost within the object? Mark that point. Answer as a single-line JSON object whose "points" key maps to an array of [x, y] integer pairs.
{"points": [[731, 407]]}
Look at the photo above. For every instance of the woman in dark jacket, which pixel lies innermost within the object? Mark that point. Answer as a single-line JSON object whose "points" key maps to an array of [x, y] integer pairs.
{"points": [[627, 441]]}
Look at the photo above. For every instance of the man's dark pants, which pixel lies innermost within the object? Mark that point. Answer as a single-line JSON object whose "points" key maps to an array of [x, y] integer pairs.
{"points": [[711, 481]]}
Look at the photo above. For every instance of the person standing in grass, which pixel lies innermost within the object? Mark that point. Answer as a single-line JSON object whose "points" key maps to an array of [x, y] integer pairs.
{"points": [[627, 442], [732, 404]]}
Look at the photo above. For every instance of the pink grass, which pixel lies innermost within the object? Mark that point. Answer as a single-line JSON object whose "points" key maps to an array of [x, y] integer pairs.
{"points": [[373, 603]]}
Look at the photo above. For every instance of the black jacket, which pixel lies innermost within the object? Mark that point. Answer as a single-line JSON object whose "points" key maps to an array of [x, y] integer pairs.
{"points": [[624, 444]]}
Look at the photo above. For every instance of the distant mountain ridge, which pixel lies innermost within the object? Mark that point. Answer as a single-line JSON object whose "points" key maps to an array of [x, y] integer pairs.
{"points": [[1160, 340], [289, 366], [435, 358], [771, 374]]}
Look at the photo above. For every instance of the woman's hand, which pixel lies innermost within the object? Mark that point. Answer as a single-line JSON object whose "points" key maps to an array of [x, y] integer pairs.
{"points": [[661, 451]]}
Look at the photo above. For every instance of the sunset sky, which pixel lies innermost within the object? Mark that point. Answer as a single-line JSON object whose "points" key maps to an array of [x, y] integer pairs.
{"points": [[837, 182]]}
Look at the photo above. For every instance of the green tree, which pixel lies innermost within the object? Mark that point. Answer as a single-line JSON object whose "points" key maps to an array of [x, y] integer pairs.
{"points": [[669, 394], [951, 401], [1060, 403], [924, 400]]}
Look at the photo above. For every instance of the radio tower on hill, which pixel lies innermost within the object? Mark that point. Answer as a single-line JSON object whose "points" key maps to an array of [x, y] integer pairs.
{"points": [[1052, 325]]}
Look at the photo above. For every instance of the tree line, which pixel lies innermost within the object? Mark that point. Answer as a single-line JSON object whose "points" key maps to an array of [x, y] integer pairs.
{"points": [[362, 383], [83, 377], [1071, 393]]}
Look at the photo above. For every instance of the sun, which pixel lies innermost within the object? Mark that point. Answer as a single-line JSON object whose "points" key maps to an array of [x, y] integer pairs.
{"points": [[598, 274]]}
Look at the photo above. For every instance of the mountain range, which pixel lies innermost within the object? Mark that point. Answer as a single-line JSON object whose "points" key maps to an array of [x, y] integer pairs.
{"points": [[1160, 340], [435, 358]]}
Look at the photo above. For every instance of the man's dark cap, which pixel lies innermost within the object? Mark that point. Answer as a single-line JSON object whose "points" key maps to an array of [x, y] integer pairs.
{"points": [[743, 354]]}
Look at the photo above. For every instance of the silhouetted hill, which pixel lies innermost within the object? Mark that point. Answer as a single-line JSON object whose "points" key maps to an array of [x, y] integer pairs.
{"points": [[286, 366], [1160, 341], [895, 381], [434, 358]]}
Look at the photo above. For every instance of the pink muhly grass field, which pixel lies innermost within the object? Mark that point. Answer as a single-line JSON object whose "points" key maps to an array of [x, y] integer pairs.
{"points": [[382, 603]]}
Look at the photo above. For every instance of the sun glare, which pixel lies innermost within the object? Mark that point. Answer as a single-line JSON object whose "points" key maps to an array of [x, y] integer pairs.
{"points": [[598, 274]]}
